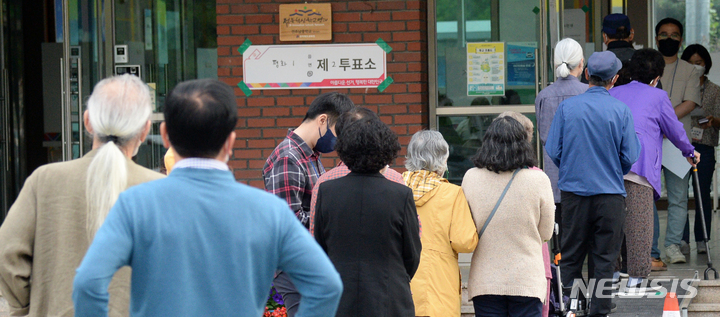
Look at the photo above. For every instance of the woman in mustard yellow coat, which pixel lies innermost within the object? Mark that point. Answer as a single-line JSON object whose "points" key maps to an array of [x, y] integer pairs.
{"points": [[448, 227]]}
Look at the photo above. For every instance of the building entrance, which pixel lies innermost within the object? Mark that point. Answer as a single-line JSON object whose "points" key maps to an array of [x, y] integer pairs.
{"points": [[55, 51]]}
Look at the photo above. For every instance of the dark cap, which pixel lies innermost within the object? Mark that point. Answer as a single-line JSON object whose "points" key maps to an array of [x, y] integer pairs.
{"points": [[613, 21], [603, 64]]}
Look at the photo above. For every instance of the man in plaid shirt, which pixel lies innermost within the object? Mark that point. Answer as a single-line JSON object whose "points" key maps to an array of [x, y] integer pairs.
{"points": [[294, 167]]}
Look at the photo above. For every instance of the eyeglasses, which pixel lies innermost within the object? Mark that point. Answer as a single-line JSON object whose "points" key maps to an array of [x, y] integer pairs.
{"points": [[674, 36]]}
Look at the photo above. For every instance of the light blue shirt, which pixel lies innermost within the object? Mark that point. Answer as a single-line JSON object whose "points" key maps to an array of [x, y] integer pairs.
{"points": [[592, 141], [201, 244], [546, 103]]}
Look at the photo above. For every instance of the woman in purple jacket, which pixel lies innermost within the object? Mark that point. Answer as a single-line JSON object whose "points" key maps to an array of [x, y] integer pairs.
{"points": [[653, 116]]}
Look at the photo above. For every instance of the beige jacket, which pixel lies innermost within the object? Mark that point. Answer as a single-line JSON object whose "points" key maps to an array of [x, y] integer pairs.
{"points": [[508, 259], [43, 240]]}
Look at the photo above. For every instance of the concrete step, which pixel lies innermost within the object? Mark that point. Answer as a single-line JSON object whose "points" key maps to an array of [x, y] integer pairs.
{"points": [[703, 310], [708, 292]]}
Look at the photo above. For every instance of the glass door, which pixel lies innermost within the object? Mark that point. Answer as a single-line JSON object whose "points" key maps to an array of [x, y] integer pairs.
{"points": [[489, 59], [84, 61], [5, 126], [167, 42], [163, 42], [492, 56]]}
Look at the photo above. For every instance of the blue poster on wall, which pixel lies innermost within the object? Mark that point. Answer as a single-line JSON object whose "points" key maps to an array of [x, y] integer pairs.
{"points": [[521, 64]]}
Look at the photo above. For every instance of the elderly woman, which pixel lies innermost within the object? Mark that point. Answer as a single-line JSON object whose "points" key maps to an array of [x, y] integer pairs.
{"points": [[653, 118], [448, 225], [61, 205], [368, 225], [568, 61], [513, 210]]}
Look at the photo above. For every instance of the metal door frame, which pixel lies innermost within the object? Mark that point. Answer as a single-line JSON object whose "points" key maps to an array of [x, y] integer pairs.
{"points": [[104, 17], [5, 125]]}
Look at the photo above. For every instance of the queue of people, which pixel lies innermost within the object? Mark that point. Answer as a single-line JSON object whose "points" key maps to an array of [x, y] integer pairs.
{"points": [[225, 240], [607, 141]]}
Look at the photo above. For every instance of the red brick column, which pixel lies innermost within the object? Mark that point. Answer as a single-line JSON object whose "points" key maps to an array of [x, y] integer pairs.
{"points": [[267, 114]]}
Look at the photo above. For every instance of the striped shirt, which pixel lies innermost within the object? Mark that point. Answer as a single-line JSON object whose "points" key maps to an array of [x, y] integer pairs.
{"points": [[291, 172], [201, 163]]}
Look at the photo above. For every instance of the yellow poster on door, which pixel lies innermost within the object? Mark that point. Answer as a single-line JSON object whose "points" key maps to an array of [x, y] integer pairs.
{"points": [[486, 69]]}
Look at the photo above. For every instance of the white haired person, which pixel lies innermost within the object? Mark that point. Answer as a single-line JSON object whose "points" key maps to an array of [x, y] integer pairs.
{"points": [[568, 61], [51, 224], [447, 222]]}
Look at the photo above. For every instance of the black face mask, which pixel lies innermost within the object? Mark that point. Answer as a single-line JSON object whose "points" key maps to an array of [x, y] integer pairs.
{"points": [[668, 47]]}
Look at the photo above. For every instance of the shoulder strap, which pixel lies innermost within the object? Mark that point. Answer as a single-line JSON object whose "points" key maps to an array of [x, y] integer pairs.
{"points": [[498, 204]]}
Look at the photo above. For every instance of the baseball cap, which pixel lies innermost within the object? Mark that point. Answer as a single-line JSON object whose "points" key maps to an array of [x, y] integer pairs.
{"points": [[613, 21], [603, 64]]}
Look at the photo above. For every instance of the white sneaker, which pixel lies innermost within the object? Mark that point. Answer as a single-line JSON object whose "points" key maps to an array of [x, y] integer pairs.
{"points": [[684, 247], [616, 277], [635, 288], [674, 255]]}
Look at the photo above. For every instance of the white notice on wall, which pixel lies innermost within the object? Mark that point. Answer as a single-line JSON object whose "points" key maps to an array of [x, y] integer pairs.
{"points": [[486, 69], [574, 24], [314, 66]]}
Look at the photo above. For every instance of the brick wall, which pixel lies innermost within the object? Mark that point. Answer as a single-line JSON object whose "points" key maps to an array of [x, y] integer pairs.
{"points": [[267, 114]]}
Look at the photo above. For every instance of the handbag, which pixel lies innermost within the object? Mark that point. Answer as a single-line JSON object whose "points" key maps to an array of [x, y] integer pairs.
{"points": [[498, 204]]}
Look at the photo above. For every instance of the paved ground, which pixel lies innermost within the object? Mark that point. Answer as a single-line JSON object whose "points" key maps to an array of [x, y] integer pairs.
{"points": [[638, 307], [696, 262]]}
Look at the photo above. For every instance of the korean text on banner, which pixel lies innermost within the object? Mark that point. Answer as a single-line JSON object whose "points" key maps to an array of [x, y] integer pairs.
{"points": [[486, 69], [521, 64], [314, 66]]}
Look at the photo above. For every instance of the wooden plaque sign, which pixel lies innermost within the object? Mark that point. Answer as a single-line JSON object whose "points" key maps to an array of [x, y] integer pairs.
{"points": [[306, 22]]}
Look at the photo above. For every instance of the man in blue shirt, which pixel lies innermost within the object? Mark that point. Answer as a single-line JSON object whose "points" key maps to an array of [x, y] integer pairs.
{"points": [[198, 242], [592, 140]]}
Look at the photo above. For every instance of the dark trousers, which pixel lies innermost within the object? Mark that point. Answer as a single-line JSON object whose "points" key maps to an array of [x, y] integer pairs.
{"points": [[285, 287], [592, 226], [558, 221], [504, 306], [705, 168]]}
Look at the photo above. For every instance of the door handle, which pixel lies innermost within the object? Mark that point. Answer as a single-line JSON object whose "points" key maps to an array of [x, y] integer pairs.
{"points": [[6, 118], [80, 108], [63, 106], [537, 77]]}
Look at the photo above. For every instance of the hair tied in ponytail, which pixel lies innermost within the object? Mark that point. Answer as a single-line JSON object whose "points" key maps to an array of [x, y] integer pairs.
{"points": [[112, 138], [568, 55]]}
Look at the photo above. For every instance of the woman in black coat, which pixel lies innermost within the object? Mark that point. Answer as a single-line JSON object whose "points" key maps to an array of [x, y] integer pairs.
{"points": [[368, 225]]}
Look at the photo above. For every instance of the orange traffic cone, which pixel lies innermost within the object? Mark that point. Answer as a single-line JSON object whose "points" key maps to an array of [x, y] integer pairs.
{"points": [[671, 308]]}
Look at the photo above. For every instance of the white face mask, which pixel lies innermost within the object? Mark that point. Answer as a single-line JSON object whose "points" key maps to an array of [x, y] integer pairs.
{"points": [[701, 69]]}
